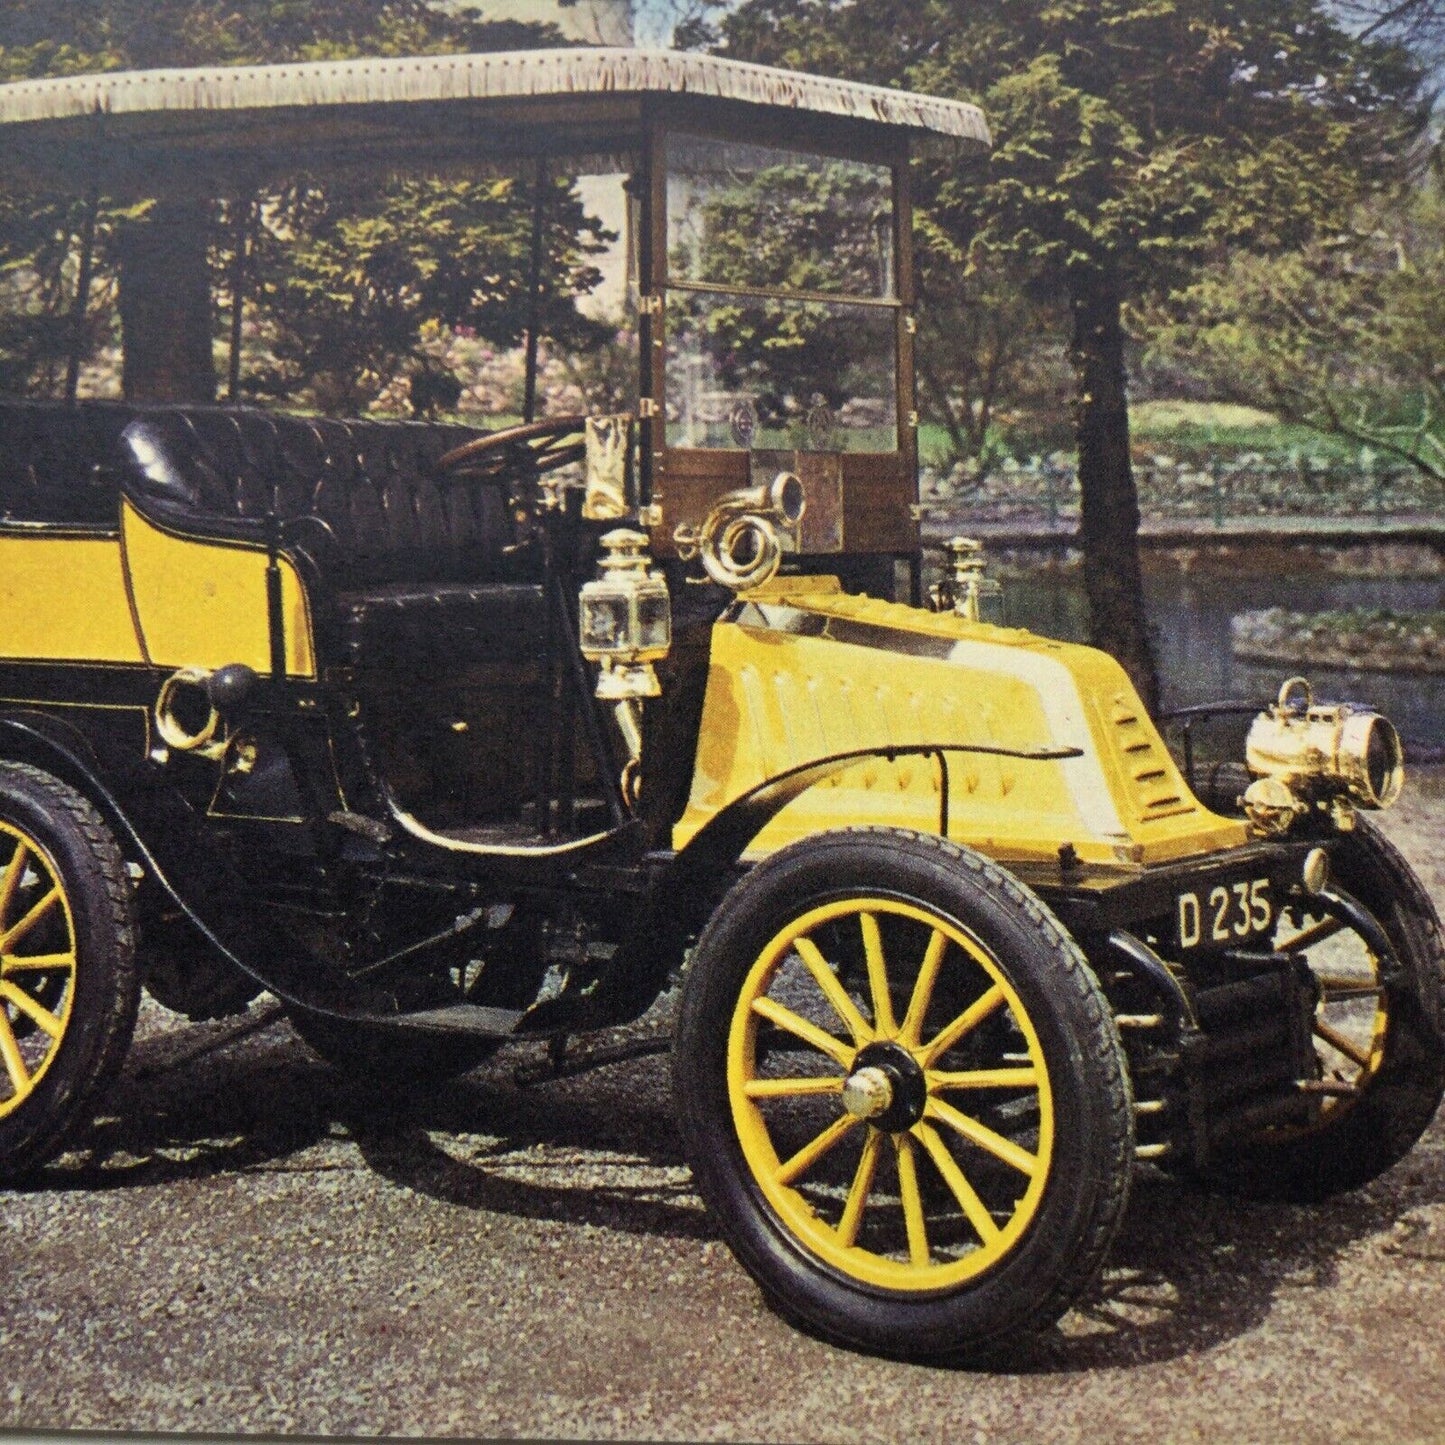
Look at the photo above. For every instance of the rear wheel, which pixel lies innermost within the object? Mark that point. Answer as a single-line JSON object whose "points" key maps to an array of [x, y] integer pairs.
{"points": [[1379, 1051], [902, 1094], [68, 980]]}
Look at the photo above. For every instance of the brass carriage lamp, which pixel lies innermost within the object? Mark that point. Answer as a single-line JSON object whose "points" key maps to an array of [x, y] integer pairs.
{"points": [[626, 619], [965, 589]]}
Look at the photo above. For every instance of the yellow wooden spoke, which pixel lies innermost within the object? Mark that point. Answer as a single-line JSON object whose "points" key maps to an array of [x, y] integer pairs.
{"points": [[833, 990], [1358, 985], [983, 1079], [775, 1013], [38, 911], [860, 1189], [983, 1136], [10, 1054], [883, 1022], [35, 962], [912, 1201], [10, 879], [37, 1013], [1348, 1047], [973, 1207], [985, 1004], [1315, 933], [790, 1088], [810, 1153], [911, 1029]]}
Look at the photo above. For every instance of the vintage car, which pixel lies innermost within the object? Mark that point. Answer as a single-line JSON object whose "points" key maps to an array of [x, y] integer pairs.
{"points": [[450, 736]]}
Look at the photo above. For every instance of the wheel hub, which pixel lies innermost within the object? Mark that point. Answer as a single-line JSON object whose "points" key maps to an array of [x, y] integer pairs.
{"points": [[886, 1087], [867, 1093]]}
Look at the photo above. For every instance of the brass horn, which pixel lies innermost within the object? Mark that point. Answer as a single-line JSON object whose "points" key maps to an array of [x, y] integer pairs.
{"points": [[739, 541], [186, 718]]}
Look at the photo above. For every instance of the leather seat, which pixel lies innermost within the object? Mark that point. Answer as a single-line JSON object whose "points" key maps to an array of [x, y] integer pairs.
{"points": [[421, 570]]}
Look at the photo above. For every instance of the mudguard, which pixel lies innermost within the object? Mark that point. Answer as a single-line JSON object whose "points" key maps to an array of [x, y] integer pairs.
{"points": [[688, 885]]}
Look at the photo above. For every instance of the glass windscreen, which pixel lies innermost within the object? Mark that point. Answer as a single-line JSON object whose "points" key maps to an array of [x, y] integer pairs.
{"points": [[781, 300]]}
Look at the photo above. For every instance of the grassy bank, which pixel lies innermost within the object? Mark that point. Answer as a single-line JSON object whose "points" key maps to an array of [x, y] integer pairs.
{"points": [[1359, 640]]}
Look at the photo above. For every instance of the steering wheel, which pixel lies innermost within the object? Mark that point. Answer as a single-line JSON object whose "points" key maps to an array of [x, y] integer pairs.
{"points": [[533, 448]]}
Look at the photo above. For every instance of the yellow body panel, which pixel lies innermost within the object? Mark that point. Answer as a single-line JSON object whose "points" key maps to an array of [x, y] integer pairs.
{"points": [[806, 671], [203, 604], [63, 598]]}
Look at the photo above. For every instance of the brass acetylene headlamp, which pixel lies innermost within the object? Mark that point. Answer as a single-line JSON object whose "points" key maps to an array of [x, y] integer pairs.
{"points": [[626, 618], [1334, 755]]}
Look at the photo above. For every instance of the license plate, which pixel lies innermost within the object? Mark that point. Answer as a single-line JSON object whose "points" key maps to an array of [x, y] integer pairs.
{"points": [[1224, 915]]}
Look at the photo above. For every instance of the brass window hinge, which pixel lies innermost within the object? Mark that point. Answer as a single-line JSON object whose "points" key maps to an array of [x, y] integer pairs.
{"points": [[647, 407]]}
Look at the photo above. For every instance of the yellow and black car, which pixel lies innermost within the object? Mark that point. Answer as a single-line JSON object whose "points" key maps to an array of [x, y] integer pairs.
{"points": [[453, 735]]}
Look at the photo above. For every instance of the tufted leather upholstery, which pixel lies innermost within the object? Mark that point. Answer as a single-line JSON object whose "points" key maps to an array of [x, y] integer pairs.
{"points": [[419, 565], [387, 516]]}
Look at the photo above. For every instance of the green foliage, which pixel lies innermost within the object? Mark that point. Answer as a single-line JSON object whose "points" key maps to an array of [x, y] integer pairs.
{"points": [[347, 303], [63, 37], [1359, 638], [349, 283], [1345, 335], [39, 265], [797, 226], [1134, 141]]}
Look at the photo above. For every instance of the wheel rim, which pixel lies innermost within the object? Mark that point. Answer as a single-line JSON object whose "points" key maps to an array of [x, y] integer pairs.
{"points": [[37, 965], [930, 1176], [1352, 1018]]}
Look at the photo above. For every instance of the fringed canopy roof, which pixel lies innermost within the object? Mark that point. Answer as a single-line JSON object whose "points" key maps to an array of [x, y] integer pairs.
{"points": [[137, 100]]}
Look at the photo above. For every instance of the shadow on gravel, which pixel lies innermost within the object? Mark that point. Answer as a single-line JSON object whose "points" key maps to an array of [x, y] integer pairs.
{"points": [[1188, 1271], [1191, 1270], [249, 1097]]}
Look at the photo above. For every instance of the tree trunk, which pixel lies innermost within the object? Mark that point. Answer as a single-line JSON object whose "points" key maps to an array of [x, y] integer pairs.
{"points": [[1109, 520], [165, 305]]}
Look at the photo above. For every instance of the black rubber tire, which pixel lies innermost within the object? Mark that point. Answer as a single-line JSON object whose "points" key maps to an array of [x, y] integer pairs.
{"points": [[1063, 1247], [1399, 1101], [85, 861]]}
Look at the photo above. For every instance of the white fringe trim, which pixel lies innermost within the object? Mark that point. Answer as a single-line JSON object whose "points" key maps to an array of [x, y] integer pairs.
{"points": [[480, 77]]}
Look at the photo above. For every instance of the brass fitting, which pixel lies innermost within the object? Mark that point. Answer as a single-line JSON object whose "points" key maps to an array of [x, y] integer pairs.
{"points": [[964, 589], [739, 541], [1332, 755]]}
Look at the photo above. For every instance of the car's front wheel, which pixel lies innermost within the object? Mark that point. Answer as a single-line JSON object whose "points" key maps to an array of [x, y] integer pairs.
{"points": [[902, 1094]]}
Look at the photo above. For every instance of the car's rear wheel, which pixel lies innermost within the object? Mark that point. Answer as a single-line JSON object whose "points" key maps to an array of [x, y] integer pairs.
{"points": [[902, 1094], [1379, 1047], [68, 980]]}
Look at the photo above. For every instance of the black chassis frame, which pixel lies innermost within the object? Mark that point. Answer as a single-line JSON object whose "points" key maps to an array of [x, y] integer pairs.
{"points": [[652, 900]]}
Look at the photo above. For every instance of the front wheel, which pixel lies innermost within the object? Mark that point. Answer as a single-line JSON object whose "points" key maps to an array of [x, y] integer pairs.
{"points": [[902, 1094]]}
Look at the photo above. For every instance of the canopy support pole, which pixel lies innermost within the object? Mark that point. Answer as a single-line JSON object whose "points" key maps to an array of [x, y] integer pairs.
{"points": [[534, 289], [245, 216], [82, 294]]}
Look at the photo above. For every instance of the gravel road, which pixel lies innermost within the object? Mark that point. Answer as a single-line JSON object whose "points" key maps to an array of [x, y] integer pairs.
{"points": [[250, 1243]]}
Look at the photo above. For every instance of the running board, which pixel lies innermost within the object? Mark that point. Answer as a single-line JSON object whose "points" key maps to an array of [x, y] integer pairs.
{"points": [[457, 1020]]}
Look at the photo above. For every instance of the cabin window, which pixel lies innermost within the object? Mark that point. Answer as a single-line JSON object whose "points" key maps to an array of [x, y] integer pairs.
{"points": [[782, 300]]}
